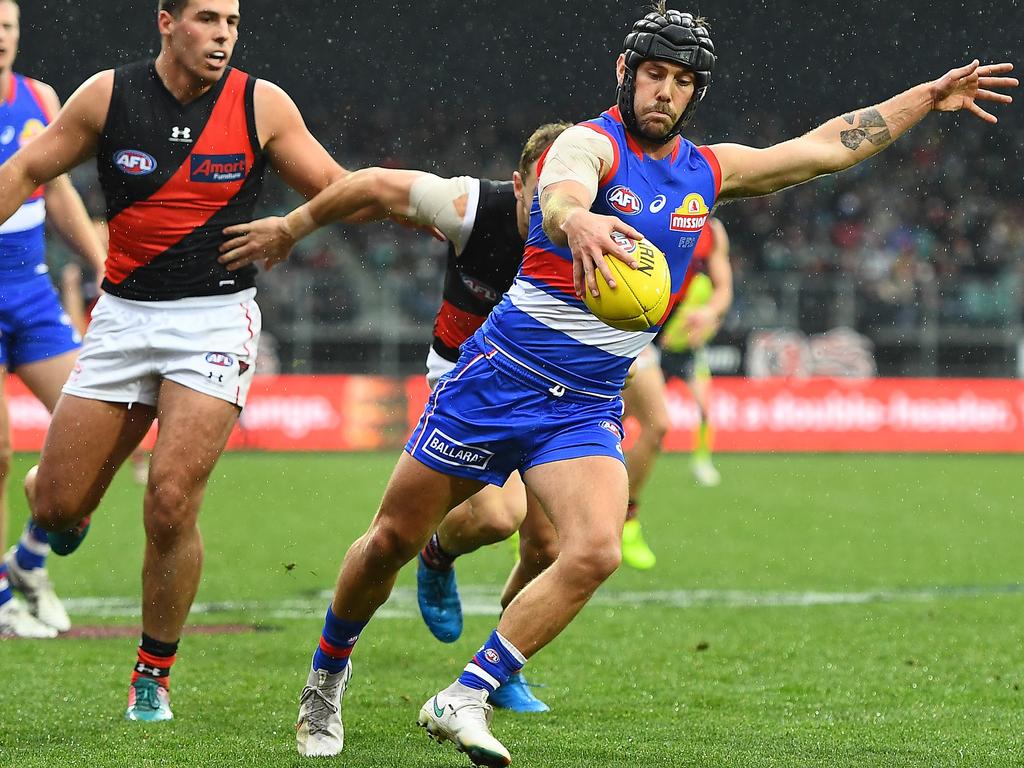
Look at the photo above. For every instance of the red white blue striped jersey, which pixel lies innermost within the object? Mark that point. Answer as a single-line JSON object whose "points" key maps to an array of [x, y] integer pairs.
{"points": [[543, 325], [23, 116]]}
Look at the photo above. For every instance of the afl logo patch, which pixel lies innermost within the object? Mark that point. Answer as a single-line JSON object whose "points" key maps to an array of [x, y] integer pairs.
{"points": [[213, 169], [221, 359], [134, 162], [491, 655], [624, 200], [628, 244], [479, 289]]}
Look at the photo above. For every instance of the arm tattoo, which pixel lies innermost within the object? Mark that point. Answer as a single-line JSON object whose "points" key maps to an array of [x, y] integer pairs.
{"points": [[872, 127]]}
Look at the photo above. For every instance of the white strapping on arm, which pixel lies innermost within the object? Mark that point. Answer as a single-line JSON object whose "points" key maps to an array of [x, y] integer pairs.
{"points": [[435, 202], [579, 154]]}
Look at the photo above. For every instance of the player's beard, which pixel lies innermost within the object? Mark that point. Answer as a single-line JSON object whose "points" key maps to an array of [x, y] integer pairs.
{"points": [[655, 131]]}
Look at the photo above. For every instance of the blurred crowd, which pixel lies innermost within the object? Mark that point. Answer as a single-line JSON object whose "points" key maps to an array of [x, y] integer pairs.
{"points": [[931, 229]]}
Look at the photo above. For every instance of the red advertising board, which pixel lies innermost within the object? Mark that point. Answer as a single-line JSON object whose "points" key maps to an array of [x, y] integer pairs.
{"points": [[945, 415], [343, 413]]}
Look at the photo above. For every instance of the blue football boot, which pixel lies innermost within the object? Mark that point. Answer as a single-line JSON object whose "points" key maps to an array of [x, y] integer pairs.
{"points": [[515, 694], [440, 606]]}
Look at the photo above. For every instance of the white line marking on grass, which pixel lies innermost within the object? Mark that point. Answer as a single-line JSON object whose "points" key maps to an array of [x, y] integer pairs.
{"points": [[481, 600]]}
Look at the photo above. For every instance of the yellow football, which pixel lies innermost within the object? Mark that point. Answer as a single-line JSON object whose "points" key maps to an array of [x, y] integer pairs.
{"points": [[641, 295]]}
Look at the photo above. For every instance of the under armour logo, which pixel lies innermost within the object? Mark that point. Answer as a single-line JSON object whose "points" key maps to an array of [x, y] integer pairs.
{"points": [[181, 134], [558, 390], [142, 669]]}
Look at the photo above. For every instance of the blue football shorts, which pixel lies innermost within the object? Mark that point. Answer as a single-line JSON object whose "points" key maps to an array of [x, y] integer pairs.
{"points": [[33, 325], [489, 417]]}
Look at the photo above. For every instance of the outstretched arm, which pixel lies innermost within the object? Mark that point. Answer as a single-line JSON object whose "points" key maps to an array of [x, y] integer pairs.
{"points": [[70, 139], [847, 140], [371, 194], [65, 210]]}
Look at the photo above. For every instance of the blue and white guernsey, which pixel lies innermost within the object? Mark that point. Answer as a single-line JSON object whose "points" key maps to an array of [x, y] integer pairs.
{"points": [[542, 325], [23, 116]]}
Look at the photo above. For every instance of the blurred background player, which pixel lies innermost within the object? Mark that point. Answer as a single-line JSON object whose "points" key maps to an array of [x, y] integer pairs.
{"points": [[37, 339], [706, 297], [486, 224], [174, 335]]}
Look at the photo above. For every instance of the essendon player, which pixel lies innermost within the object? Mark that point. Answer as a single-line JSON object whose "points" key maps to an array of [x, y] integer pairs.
{"points": [[181, 144], [486, 225]]}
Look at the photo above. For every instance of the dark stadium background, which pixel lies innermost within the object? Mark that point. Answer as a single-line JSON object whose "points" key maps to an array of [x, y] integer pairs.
{"points": [[455, 87]]}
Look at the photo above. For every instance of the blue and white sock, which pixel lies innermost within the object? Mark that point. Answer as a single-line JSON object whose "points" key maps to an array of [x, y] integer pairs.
{"points": [[336, 642], [33, 547], [5, 586], [492, 665]]}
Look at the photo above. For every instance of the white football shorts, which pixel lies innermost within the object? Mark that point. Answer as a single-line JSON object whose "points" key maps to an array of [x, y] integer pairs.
{"points": [[437, 367], [205, 343]]}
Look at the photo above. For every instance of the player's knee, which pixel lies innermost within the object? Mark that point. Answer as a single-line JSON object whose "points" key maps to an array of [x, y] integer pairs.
{"points": [[593, 564], [655, 429], [499, 524], [170, 510], [538, 551], [54, 506], [390, 544]]}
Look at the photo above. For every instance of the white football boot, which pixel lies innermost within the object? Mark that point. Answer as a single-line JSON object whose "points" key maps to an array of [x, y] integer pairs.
{"points": [[37, 588], [319, 731], [462, 716], [16, 621], [705, 473]]}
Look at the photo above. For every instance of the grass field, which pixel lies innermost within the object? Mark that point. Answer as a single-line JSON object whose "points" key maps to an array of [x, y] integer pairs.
{"points": [[812, 611]]}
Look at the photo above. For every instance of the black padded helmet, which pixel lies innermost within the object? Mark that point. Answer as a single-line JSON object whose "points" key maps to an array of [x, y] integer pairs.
{"points": [[673, 36]]}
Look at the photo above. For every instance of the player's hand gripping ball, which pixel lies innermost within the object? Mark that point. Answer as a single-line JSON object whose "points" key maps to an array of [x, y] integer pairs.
{"points": [[640, 297]]}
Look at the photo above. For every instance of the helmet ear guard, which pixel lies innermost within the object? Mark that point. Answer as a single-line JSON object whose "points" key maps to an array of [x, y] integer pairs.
{"points": [[674, 37]]}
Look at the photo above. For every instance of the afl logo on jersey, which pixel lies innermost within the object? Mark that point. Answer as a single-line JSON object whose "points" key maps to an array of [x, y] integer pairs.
{"points": [[480, 290], [213, 169], [691, 216], [134, 162], [624, 200]]}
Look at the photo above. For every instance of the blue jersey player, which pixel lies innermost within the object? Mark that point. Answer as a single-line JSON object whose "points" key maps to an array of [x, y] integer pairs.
{"points": [[537, 387], [37, 340]]}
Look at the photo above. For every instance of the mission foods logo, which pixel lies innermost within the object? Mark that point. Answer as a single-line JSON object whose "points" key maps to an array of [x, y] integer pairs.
{"points": [[134, 162], [451, 451], [217, 169], [691, 216]]}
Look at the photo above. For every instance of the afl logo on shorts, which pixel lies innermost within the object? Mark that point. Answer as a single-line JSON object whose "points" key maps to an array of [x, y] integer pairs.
{"points": [[611, 427], [134, 162], [624, 200], [219, 358]]}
